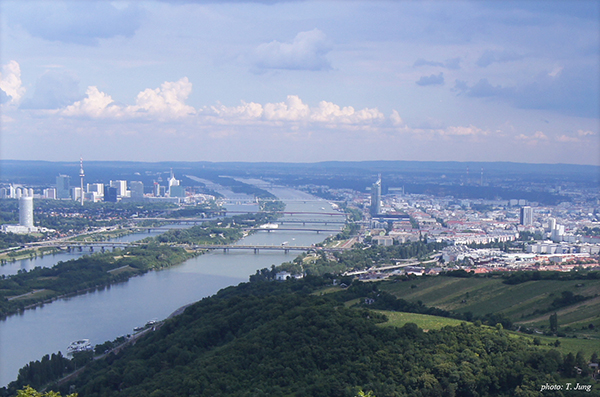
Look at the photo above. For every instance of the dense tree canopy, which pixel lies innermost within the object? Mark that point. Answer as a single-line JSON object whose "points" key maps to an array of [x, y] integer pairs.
{"points": [[276, 339]]}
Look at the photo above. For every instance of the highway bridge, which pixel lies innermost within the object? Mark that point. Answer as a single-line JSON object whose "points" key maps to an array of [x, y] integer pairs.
{"points": [[103, 245], [280, 221], [284, 247]]}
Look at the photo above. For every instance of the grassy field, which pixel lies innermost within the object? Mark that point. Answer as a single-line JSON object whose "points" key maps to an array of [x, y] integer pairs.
{"points": [[568, 345], [518, 302], [427, 322], [424, 321], [33, 294]]}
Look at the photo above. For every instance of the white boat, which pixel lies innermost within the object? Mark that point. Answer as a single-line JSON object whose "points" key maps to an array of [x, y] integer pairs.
{"points": [[269, 226], [82, 345]]}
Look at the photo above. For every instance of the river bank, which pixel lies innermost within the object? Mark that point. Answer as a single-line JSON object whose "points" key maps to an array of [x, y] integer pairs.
{"points": [[22, 291], [101, 315]]}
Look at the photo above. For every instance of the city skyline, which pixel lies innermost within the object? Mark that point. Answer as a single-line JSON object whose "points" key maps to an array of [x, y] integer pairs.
{"points": [[300, 81]]}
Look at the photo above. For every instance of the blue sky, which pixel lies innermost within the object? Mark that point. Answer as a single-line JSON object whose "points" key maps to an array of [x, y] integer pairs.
{"points": [[301, 81]]}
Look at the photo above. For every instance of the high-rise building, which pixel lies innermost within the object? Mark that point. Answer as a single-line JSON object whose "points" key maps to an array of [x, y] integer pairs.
{"points": [[63, 187], [121, 187], [97, 188], [551, 224], [76, 193], [376, 197], [526, 216], [50, 193], [110, 194], [172, 183], [137, 190], [26, 211]]}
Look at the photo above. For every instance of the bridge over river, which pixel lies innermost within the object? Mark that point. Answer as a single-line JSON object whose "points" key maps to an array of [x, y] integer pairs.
{"points": [[103, 245]]}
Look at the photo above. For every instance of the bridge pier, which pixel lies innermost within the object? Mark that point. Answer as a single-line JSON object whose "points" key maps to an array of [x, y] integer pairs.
{"points": [[286, 251], [91, 248], [68, 249], [256, 250], [80, 248]]}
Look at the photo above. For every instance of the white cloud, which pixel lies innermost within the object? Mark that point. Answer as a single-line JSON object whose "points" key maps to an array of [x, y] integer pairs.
{"points": [[556, 71], [10, 82], [329, 112], [532, 139], [470, 130], [165, 102], [396, 119], [566, 138], [95, 105], [293, 109], [246, 111], [586, 133], [306, 52]]}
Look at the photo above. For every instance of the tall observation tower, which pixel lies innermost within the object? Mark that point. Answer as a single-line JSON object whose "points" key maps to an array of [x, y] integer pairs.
{"points": [[81, 175], [376, 197]]}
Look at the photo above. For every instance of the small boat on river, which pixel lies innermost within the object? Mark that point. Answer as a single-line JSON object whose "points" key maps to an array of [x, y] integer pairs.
{"points": [[82, 345]]}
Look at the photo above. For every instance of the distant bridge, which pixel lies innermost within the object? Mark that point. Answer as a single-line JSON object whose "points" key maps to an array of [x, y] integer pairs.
{"points": [[91, 245], [283, 229], [284, 247], [280, 221]]}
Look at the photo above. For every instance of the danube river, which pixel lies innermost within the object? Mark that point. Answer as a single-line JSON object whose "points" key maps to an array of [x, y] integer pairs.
{"points": [[106, 314]]}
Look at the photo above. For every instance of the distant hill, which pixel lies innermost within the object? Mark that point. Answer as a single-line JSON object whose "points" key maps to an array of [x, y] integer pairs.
{"points": [[25, 171]]}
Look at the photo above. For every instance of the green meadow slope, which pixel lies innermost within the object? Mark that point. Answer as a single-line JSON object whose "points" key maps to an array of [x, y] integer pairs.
{"points": [[529, 303]]}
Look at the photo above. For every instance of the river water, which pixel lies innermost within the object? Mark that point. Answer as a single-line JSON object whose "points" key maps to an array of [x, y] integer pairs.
{"points": [[50, 260], [114, 311]]}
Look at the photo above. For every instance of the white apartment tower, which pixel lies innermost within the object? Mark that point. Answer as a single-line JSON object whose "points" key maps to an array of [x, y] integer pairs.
{"points": [[26, 211]]}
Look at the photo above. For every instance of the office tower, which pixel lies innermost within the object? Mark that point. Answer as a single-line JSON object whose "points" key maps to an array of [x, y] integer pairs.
{"points": [[97, 188], [137, 190], [110, 194], [173, 182], [526, 216], [50, 193], [63, 187], [121, 187], [26, 211], [551, 224], [376, 197], [76, 193], [156, 189]]}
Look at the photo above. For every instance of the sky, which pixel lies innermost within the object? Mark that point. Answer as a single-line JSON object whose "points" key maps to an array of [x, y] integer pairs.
{"points": [[300, 81]]}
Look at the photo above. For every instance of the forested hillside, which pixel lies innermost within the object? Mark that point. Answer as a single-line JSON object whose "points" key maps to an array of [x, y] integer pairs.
{"points": [[280, 338]]}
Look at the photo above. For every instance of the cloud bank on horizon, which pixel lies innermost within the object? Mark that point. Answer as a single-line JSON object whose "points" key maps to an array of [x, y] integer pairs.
{"points": [[300, 81]]}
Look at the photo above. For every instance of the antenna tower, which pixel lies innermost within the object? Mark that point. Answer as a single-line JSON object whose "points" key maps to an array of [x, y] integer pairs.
{"points": [[81, 175]]}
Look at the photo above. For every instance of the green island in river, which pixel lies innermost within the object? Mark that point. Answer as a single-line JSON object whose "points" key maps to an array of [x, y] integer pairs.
{"points": [[42, 285]]}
